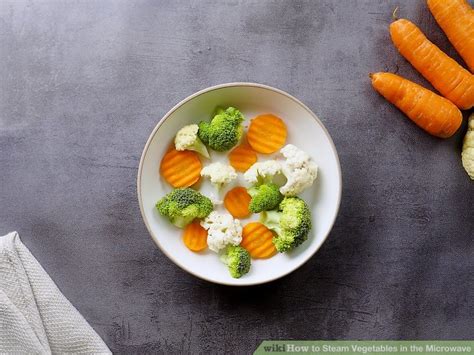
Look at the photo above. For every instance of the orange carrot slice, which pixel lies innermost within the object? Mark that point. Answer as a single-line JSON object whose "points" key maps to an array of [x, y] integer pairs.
{"points": [[242, 157], [257, 239], [267, 133], [181, 168], [195, 236], [237, 202]]}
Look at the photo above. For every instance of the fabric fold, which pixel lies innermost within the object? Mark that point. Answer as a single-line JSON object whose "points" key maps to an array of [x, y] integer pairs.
{"points": [[35, 317]]}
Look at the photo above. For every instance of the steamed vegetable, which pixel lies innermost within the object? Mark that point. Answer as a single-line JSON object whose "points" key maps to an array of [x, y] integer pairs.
{"points": [[242, 157], [267, 133], [224, 131], [203, 132], [222, 230], [219, 174], [456, 18], [435, 114], [298, 168], [300, 171], [195, 237], [187, 139], [181, 168], [262, 172], [444, 73], [257, 240], [182, 206], [237, 260], [237, 202], [291, 222], [468, 148], [264, 197]]}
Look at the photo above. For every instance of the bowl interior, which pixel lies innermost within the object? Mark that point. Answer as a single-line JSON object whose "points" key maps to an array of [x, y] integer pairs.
{"points": [[304, 130]]}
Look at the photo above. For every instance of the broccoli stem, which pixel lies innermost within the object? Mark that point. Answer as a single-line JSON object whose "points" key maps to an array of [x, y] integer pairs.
{"points": [[217, 111], [181, 222], [253, 191], [271, 219], [200, 148]]}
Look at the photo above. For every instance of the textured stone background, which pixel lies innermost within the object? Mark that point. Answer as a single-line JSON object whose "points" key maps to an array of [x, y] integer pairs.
{"points": [[83, 83]]}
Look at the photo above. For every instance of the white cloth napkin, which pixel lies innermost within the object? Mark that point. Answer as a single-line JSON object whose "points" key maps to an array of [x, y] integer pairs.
{"points": [[35, 317]]}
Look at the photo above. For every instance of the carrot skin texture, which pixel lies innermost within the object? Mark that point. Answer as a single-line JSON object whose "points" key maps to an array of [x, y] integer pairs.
{"points": [[444, 73], [456, 19], [435, 114]]}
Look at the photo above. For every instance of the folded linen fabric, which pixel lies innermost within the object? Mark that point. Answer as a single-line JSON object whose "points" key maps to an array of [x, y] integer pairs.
{"points": [[35, 317]]}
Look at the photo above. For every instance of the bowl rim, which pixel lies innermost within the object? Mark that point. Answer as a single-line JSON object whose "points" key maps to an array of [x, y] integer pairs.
{"points": [[189, 98]]}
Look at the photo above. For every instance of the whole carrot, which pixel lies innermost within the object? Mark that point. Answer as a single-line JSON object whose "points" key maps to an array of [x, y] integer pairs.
{"points": [[444, 73], [456, 18], [435, 114]]}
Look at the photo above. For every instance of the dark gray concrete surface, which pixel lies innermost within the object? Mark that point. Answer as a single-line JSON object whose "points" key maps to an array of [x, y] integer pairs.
{"points": [[83, 83]]}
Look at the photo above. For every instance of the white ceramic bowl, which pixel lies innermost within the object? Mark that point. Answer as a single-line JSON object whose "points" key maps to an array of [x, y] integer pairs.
{"points": [[305, 131]]}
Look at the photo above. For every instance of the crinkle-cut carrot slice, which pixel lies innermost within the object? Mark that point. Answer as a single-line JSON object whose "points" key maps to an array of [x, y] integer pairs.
{"points": [[181, 168], [242, 157], [257, 240], [267, 133], [237, 202], [195, 236]]}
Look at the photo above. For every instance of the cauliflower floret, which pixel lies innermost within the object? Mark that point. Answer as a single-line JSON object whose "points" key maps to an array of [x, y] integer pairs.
{"points": [[222, 229], [219, 174], [262, 172], [468, 148], [186, 136], [299, 170], [187, 139]]}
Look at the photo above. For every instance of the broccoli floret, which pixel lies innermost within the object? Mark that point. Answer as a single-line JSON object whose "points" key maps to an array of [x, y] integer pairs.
{"points": [[182, 206], [264, 197], [224, 131], [203, 132], [237, 260], [224, 135], [291, 222]]}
